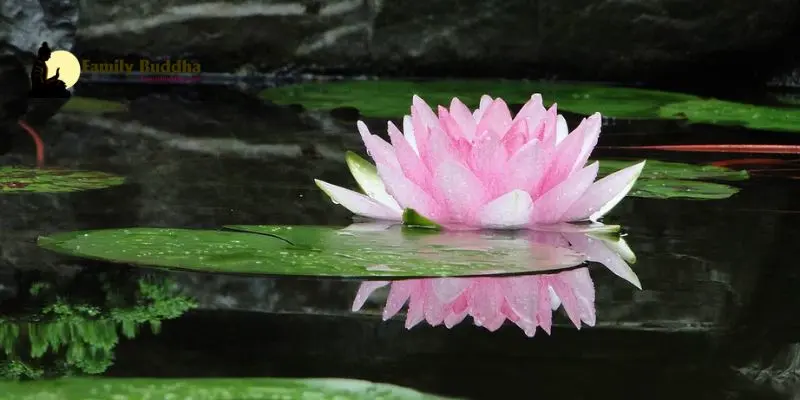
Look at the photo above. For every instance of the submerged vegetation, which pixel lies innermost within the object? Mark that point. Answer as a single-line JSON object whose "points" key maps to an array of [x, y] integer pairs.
{"points": [[71, 328]]}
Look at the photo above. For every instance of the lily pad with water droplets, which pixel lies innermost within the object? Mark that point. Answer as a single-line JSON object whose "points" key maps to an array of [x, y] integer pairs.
{"points": [[39, 180], [655, 169], [208, 389], [674, 189], [719, 112], [318, 251], [673, 180]]}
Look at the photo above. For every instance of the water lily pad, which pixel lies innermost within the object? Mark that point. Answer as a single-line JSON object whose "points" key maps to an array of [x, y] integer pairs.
{"points": [[208, 389], [392, 98], [39, 180], [318, 251], [719, 112], [674, 188], [581, 227], [672, 180], [88, 105], [655, 169]]}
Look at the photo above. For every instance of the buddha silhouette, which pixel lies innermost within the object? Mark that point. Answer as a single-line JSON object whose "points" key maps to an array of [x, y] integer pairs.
{"points": [[41, 85]]}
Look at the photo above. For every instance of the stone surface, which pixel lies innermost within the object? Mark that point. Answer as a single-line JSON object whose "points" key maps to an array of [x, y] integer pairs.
{"points": [[226, 35], [602, 39], [28, 23]]}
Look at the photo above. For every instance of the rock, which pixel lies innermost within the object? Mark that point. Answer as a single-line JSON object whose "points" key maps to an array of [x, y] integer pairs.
{"points": [[226, 35], [789, 79], [605, 39], [570, 38], [27, 23]]}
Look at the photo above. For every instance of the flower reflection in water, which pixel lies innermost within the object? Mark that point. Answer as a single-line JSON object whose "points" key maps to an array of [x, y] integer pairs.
{"points": [[527, 301]]}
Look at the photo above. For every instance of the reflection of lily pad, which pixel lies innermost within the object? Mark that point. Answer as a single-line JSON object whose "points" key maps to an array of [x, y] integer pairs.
{"points": [[791, 99], [20, 179], [318, 251], [208, 389], [673, 188], [88, 105], [392, 98], [720, 112], [655, 169]]}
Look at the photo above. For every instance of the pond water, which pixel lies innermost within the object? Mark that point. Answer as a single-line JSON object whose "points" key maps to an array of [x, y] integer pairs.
{"points": [[715, 317]]}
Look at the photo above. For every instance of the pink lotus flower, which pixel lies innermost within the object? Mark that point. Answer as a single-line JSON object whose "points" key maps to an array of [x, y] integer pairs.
{"points": [[527, 301], [484, 168]]}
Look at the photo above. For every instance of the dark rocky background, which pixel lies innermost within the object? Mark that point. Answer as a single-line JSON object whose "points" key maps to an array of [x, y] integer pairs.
{"points": [[725, 43]]}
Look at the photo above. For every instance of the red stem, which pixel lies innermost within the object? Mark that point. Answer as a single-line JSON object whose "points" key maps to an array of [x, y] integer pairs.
{"points": [[720, 148], [36, 140]]}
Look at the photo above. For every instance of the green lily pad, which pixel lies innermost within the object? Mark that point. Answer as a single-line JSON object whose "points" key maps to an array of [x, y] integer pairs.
{"points": [[318, 251], [721, 112], [674, 188], [88, 105], [655, 169], [42, 180], [392, 98], [581, 227], [208, 389], [672, 180]]}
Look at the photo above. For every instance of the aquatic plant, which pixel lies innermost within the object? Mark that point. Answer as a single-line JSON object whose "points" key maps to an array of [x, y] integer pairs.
{"points": [[484, 168], [46, 180], [384, 98], [210, 389], [527, 301], [320, 251], [61, 332]]}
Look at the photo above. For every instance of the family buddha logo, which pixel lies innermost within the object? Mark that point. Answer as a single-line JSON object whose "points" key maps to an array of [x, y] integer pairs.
{"points": [[53, 73], [151, 71], [143, 66]]}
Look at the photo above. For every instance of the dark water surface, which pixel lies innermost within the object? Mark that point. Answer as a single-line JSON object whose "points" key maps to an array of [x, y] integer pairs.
{"points": [[716, 317]]}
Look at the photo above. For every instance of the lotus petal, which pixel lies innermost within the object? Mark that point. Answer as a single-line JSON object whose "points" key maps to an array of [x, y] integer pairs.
{"points": [[364, 291], [358, 203], [367, 178], [512, 210], [604, 194]]}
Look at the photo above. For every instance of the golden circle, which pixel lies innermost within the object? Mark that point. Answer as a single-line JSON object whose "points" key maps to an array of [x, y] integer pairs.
{"points": [[70, 67]]}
